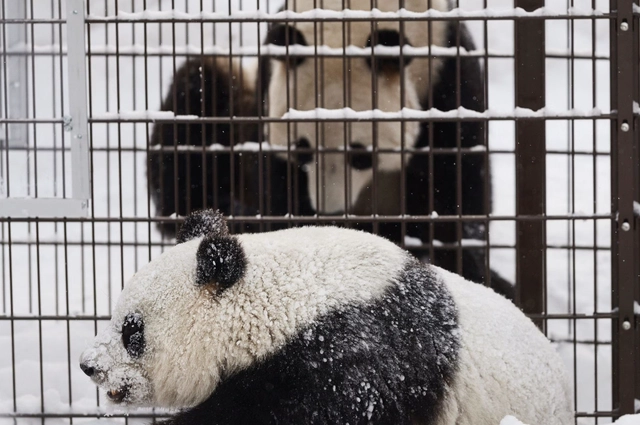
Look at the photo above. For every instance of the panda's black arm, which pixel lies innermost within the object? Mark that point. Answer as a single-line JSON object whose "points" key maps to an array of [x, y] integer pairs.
{"points": [[181, 181]]}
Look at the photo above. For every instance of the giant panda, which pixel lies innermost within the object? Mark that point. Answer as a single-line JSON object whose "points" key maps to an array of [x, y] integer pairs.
{"points": [[319, 325], [294, 179]]}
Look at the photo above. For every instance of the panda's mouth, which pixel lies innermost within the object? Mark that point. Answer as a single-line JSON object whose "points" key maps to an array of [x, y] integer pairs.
{"points": [[118, 396]]}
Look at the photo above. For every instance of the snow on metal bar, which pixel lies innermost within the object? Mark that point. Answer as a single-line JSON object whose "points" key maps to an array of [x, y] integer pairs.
{"points": [[351, 114], [297, 50], [141, 115], [461, 112], [217, 147], [347, 15]]}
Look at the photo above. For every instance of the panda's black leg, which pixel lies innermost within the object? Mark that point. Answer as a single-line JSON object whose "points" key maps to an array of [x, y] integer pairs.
{"points": [[184, 172], [285, 190]]}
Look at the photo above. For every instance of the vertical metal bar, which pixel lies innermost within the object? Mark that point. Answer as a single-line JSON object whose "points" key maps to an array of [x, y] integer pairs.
{"points": [[636, 206], [17, 74], [594, 97], [77, 77], [530, 160], [624, 63]]}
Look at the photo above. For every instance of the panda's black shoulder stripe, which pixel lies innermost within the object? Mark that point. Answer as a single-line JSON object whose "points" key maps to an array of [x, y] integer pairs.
{"points": [[387, 362]]}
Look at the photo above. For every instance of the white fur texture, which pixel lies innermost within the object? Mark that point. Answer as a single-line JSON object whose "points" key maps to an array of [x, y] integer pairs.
{"points": [[327, 74], [507, 366], [194, 338]]}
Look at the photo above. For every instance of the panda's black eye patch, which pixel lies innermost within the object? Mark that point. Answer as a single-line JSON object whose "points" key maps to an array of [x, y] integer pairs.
{"points": [[286, 35], [133, 334], [362, 158], [304, 157], [388, 38]]}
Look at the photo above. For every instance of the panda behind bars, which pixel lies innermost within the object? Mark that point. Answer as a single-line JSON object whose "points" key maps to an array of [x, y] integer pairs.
{"points": [[320, 325], [303, 183]]}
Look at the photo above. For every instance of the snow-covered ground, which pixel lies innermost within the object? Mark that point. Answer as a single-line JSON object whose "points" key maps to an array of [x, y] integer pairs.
{"points": [[79, 268]]}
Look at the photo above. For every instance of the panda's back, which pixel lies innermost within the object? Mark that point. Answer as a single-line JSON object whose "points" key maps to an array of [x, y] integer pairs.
{"points": [[502, 352]]}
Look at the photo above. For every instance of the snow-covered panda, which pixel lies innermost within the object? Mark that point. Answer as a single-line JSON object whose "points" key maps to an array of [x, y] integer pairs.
{"points": [[318, 182], [319, 325]]}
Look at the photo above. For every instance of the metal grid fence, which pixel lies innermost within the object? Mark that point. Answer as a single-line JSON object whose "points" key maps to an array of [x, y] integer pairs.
{"points": [[78, 214]]}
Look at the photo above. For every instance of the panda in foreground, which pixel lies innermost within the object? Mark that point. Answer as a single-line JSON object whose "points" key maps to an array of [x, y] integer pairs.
{"points": [[296, 178], [320, 325]]}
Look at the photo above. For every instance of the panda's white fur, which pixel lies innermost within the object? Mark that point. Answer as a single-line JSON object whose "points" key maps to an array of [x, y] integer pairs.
{"points": [[328, 75], [196, 339], [503, 353]]}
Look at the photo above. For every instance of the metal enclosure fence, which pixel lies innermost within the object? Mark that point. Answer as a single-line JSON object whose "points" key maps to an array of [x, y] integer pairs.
{"points": [[82, 82]]}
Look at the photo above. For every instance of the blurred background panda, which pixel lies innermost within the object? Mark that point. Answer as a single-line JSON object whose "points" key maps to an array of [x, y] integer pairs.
{"points": [[292, 177]]}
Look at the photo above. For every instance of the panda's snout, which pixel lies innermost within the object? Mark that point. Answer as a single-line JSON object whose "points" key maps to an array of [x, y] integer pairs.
{"points": [[88, 370], [91, 367]]}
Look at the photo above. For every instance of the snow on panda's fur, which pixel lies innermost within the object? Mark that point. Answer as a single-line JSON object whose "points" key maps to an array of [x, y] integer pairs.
{"points": [[292, 182], [320, 325]]}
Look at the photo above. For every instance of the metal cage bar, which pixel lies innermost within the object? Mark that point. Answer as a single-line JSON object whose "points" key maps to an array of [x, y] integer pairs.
{"points": [[530, 160], [624, 66]]}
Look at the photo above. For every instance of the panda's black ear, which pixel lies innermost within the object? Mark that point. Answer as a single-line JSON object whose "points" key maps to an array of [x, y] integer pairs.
{"points": [[286, 35], [200, 223], [221, 261]]}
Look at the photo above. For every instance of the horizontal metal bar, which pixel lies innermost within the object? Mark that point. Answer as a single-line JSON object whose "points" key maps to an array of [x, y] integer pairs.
{"points": [[253, 120], [601, 414], [31, 121], [248, 19], [329, 219], [240, 149], [146, 243], [575, 316], [22, 21], [579, 341], [84, 415], [30, 208], [550, 316], [579, 56], [54, 318]]}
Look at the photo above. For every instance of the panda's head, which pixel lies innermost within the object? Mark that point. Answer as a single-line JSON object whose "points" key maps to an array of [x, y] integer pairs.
{"points": [[387, 83], [152, 341], [216, 304]]}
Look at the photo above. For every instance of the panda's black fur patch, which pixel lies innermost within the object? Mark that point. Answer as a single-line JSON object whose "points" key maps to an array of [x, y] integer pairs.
{"points": [[385, 362], [286, 35], [388, 38], [304, 157], [201, 223], [221, 260], [133, 334], [359, 157]]}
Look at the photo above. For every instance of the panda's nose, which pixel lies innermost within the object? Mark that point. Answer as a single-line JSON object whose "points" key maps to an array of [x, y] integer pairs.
{"points": [[88, 370]]}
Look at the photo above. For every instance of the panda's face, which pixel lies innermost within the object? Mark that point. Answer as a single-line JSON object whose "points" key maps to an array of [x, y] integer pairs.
{"points": [[386, 83], [333, 171], [148, 329]]}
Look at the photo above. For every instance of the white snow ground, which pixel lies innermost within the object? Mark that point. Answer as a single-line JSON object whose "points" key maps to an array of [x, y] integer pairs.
{"points": [[44, 368]]}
